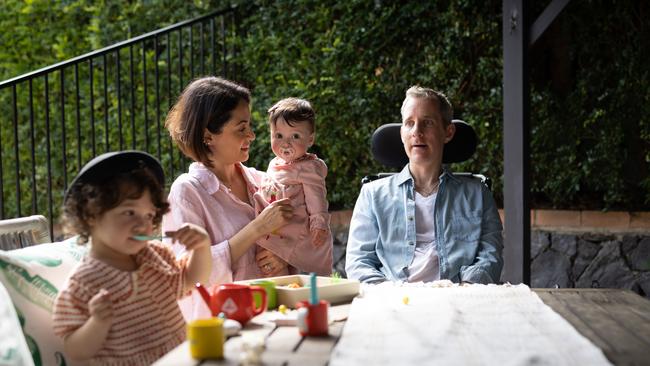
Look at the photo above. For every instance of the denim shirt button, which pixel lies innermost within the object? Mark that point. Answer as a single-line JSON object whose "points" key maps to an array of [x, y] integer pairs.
{"points": [[410, 218], [410, 243]]}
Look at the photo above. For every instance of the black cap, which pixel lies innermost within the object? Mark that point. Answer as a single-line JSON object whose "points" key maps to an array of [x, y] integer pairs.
{"points": [[106, 165]]}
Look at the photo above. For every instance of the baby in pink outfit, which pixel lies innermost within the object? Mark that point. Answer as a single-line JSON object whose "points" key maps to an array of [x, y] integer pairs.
{"points": [[305, 243]]}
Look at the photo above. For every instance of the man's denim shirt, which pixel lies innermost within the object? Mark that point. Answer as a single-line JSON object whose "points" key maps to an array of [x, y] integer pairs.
{"points": [[469, 237]]}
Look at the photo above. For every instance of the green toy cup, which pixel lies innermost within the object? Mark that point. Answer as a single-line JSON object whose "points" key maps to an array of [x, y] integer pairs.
{"points": [[271, 294]]}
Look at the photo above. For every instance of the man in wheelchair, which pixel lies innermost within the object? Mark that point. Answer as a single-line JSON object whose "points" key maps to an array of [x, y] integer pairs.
{"points": [[426, 223]]}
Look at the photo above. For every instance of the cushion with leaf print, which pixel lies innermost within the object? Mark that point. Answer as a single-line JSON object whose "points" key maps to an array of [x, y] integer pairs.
{"points": [[33, 277]]}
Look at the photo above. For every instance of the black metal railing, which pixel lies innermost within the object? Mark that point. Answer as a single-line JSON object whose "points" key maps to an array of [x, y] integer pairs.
{"points": [[55, 119]]}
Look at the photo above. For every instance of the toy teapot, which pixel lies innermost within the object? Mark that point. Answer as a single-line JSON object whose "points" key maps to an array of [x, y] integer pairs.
{"points": [[234, 300]]}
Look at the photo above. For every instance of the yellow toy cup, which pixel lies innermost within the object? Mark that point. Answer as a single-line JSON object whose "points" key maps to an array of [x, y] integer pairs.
{"points": [[206, 338]]}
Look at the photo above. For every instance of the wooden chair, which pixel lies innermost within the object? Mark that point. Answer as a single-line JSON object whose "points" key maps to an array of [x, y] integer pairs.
{"points": [[23, 232]]}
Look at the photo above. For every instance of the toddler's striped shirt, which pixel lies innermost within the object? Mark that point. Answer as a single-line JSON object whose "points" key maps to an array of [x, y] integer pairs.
{"points": [[147, 322]]}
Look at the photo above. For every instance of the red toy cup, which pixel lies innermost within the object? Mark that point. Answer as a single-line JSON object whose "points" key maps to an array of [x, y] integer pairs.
{"points": [[313, 319]]}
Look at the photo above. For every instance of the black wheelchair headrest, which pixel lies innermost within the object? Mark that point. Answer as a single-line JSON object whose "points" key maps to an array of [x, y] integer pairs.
{"points": [[387, 147]]}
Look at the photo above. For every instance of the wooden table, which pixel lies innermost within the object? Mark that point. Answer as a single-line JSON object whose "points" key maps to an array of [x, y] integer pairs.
{"points": [[617, 321]]}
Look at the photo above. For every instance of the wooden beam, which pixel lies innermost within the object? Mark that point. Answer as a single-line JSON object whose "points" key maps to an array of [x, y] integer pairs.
{"points": [[545, 19]]}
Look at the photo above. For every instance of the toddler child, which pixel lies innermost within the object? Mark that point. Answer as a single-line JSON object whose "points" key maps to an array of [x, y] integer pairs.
{"points": [[118, 306], [306, 242]]}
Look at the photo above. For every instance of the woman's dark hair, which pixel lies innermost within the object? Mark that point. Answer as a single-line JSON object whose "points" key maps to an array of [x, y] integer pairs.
{"points": [[91, 200], [207, 102]]}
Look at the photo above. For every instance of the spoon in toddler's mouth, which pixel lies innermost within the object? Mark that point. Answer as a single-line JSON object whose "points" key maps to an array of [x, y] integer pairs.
{"points": [[168, 235]]}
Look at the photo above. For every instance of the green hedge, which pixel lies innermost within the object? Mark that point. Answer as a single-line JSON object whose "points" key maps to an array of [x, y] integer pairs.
{"points": [[355, 59], [590, 101], [74, 28], [590, 130]]}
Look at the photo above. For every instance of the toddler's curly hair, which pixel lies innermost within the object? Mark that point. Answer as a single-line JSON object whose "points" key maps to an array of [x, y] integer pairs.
{"points": [[87, 200]]}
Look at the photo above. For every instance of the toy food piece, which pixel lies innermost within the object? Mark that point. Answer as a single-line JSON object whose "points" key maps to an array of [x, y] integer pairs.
{"points": [[283, 317], [294, 285], [405, 300]]}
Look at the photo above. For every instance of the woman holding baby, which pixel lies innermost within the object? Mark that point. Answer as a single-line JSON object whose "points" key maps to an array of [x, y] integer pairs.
{"points": [[211, 124]]}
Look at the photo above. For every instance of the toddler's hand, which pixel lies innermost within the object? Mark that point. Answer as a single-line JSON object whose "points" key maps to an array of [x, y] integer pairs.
{"points": [[191, 236], [100, 306], [318, 237]]}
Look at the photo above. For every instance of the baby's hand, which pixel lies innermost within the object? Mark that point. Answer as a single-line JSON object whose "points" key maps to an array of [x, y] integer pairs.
{"points": [[318, 237], [269, 263], [191, 236], [101, 306]]}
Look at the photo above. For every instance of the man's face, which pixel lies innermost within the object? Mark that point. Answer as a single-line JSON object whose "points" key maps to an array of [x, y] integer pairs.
{"points": [[423, 131]]}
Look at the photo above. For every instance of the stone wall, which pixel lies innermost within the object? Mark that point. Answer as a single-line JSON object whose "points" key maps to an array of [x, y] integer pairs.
{"points": [[338, 251], [567, 259]]}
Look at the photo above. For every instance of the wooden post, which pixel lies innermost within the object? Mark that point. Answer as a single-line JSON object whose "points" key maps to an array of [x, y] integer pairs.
{"points": [[516, 140]]}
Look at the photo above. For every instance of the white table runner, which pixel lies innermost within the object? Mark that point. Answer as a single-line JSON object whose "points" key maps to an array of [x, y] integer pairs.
{"points": [[468, 325]]}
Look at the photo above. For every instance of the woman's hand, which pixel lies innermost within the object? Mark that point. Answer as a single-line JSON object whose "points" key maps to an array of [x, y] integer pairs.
{"points": [[274, 216], [269, 263]]}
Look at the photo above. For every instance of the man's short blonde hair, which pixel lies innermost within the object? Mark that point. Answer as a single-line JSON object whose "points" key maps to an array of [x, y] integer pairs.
{"points": [[446, 110]]}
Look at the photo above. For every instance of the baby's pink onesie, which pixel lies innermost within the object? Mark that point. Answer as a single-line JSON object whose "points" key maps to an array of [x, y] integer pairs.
{"points": [[303, 182]]}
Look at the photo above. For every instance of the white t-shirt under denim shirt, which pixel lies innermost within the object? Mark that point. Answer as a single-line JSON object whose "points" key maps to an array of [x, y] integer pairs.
{"points": [[425, 266]]}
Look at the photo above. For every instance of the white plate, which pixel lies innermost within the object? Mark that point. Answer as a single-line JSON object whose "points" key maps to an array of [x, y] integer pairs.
{"points": [[334, 290]]}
